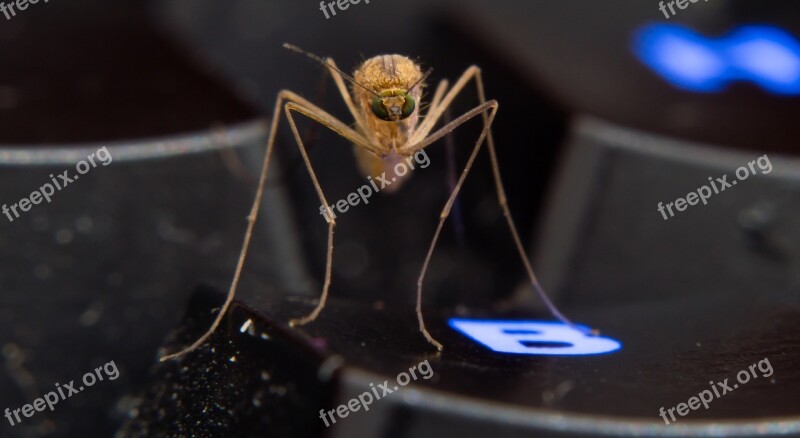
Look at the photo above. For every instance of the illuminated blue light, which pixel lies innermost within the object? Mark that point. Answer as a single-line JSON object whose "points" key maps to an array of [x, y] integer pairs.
{"points": [[534, 337], [766, 55]]}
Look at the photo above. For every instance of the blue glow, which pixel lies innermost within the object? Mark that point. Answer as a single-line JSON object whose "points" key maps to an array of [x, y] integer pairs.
{"points": [[767, 56], [536, 338]]}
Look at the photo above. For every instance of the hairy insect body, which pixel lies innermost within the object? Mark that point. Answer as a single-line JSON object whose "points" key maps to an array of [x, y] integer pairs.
{"points": [[383, 167], [384, 102], [391, 76]]}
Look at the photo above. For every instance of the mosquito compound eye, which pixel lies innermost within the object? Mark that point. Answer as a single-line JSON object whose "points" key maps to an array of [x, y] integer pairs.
{"points": [[408, 106], [393, 107], [379, 110]]}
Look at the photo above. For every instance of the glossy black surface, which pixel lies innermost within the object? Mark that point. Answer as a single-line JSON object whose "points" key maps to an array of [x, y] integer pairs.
{"points": [[671, 350]]}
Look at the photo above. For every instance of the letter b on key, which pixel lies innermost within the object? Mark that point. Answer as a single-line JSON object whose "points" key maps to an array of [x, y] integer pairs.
{"points": [[534, 337]]}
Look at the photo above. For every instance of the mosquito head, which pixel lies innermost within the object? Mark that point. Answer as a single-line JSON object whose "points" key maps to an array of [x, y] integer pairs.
{"points": [[393, 105], [397, 84]]}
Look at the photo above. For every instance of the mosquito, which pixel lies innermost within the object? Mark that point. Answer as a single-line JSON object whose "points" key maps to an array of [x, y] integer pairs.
{"points": [[385, 104]]}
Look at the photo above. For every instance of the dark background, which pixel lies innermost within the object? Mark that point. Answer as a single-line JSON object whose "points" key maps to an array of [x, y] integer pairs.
{"points": [[105, 270]]}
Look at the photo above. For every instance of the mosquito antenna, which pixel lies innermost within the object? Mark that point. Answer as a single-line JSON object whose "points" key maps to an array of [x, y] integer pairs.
{"points": [[325, 64], [419, 81]]}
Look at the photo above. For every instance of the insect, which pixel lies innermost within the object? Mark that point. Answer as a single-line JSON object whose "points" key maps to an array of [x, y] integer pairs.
{"points": [[385, 103]]}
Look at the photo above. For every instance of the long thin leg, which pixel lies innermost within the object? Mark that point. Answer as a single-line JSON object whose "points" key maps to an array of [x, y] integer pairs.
{"points": [[502, 200], [235, 166], [437, 97], [348, 101], [312, 133], [329, 216], [229, 155], [470, 73], [450, 152], [435, 113], [490, 106], [317, 114]]}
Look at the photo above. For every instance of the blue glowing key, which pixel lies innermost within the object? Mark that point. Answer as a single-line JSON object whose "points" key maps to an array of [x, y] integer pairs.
{"points": [[765, 55], [546, 338]]}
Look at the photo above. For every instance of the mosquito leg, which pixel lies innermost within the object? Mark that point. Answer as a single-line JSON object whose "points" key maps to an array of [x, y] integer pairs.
{"points": [[315, 113], [348, 101], [502, 200], [251, 219], [234, 164], [474, 72], [450, 151], [491, 107], [329, 217], [437, 97]]}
